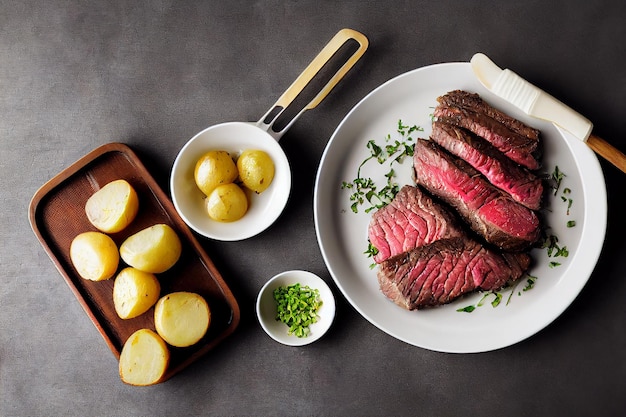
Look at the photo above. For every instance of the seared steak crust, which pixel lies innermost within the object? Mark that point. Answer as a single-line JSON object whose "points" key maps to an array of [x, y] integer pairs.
{"points": [[521, 184], [412, 219], [489, 211], [473, 101], [442, 271], [477, 163], [518, 148]]}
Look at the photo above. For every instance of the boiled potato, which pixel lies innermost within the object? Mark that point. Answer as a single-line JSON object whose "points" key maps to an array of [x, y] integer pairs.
{"points": [[154, 249], [94, 255], [144, 358], [113, 207], [134, 292], [214, 168], [182, 318], [256, 170], [227, 203]]}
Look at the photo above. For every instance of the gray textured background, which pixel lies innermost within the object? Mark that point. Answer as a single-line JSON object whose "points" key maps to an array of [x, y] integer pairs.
{"points": [[78, 74]]}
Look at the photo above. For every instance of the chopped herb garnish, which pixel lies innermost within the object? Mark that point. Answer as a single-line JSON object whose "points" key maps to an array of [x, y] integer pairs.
{"points": [[530, 282], [571, 223], [365, 190], [482, 300], [371, 250], [496, 301], [552, 247], [467, 309], [297, 307], [557, 177], [554, 264], [508, 300]]}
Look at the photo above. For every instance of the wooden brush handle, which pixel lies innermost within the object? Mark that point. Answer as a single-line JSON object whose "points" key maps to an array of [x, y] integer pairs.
{"points": [[607, 151]]}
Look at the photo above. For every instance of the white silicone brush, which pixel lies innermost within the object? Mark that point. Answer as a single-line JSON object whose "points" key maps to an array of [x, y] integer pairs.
{"points": [[537, 103]]}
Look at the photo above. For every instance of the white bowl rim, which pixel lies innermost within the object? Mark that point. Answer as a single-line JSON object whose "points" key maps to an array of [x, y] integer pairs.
{"points": [[233, 137], [266, 307]]}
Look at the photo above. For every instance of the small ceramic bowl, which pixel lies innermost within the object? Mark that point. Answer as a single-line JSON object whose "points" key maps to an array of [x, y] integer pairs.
{"points": [[264, 208], [266, 308]]}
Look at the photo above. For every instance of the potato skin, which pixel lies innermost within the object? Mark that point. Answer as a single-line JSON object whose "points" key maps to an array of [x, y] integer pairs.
{"points": [[113, 207], [94, 255], [182, 307], [144, 358], [134, 292], [256, 170], [154, 249], [214, 168], [227, 203]]}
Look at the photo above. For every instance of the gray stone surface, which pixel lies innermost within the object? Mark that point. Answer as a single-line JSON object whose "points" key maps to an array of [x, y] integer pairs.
{"points": [[78, 74]]}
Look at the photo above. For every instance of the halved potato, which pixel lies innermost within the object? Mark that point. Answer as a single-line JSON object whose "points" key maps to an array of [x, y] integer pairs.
{"points": [[256, 170], [94, 255], [227, 203], [182, 318], [154, 249], [134, 292], [214, 168], [144, 358], [113, 207]]}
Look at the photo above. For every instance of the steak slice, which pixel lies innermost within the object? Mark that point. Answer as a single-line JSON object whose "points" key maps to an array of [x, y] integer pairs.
{"points": [[412, 219], [521, 184], [518, 148], [440, 272], [489, 211], [474, 102]]}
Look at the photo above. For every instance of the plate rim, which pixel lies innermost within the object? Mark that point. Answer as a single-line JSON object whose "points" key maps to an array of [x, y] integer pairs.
{"points": [[581, 154]]}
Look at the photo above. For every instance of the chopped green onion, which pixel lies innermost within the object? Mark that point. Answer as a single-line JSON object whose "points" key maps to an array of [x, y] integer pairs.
{"points": [[297, 307], [467, 309]]}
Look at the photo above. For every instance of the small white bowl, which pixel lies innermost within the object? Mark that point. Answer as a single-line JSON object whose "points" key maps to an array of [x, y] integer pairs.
{"points": [[266, 308], [264, 208]]}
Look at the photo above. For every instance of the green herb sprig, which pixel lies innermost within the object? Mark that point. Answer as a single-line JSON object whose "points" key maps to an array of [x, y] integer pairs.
{"points": [[364, 189], [297, 307], [557, 177]]}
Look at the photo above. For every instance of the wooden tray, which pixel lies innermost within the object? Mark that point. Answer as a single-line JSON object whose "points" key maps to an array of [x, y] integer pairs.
{"points": [[57, 215]]}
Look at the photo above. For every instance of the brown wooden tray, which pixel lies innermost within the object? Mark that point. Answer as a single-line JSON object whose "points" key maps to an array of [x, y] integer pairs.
{"points": [[57, 215]]}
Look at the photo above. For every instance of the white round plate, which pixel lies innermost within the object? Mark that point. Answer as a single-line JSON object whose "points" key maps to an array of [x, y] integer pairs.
{"points": [[266, 308], [264, 208], [342, 234]]}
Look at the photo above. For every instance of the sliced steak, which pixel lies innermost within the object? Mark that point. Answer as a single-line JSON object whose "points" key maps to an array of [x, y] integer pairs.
{"points": [[518, 148], [521, 184], [474, 102], [440, 272], [488, 210], [412, 219]]}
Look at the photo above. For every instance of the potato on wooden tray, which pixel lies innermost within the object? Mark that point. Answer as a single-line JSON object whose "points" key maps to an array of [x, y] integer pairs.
{"points": [[113, 207], [134, 292], [94, 255], [154, 249], [144, 358], [182, 318]]}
